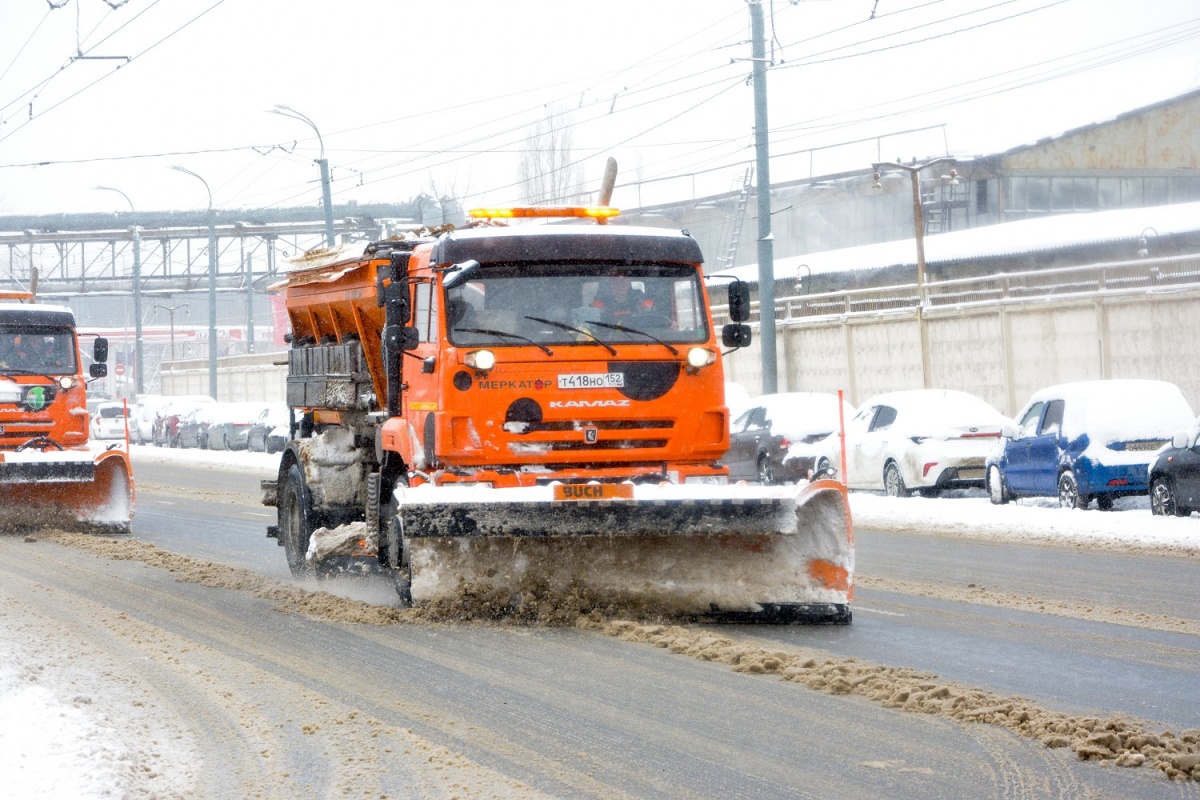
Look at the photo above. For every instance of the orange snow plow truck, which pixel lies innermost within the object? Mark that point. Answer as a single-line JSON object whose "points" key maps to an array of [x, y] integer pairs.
{"points": [[48, 473], [537, 410]]}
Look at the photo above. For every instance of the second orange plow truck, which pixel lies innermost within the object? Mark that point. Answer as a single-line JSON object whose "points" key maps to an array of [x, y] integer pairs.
{"points": [[526, 406], [49, 474]]}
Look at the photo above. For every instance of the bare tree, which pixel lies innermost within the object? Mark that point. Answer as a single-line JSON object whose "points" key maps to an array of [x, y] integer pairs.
{"points": [[546, 169]]}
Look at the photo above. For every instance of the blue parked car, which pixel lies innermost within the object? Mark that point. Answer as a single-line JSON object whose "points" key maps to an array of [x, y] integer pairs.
{"points": [[1085, 441]]}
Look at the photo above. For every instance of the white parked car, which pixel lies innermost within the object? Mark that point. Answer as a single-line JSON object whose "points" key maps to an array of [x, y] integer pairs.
{"points": [[142, 416], [108, 421], [922, 439]]}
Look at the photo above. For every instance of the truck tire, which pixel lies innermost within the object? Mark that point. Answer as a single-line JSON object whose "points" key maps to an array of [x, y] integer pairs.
{"points": [[295, 528]]}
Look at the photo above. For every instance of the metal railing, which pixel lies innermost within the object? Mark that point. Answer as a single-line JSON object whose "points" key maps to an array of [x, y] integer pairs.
{"points": [[1111, 278]]}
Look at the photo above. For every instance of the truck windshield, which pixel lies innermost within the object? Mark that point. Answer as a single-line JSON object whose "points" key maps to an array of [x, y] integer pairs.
{"points": [[561, 304], [37, 351]]}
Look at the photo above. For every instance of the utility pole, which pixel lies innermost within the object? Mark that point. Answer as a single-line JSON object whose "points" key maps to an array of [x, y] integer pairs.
{"points": [[766, 248], [138, 349], [212, 285], [171, 311], [322, 162], [914, 172], [247, 259]]}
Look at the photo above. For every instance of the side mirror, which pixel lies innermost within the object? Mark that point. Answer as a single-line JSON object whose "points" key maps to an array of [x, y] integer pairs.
{"points": [[1009, 432], [460, 273], [396, 337], [739, 302], [100, 350], [735, 335], [98, 370], [1180, 440]]}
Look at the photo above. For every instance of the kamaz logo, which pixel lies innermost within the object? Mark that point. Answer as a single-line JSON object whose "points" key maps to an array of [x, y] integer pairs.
{"points": [[589, 403]]}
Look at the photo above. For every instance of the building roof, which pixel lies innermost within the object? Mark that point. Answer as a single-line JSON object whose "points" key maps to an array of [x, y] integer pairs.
{"points": [[1042, 234]]}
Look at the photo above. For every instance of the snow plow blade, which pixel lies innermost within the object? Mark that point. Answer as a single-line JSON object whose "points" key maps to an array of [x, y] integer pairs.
{"points": [[729, 553], [66, 489]]}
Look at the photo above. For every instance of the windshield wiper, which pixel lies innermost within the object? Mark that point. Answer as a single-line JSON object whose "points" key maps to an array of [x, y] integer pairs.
{"points": [[494, 332], [625, 329], [573, 329], [20, 371]]}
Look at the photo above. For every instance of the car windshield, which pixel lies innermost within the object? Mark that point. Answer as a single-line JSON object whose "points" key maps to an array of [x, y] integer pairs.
{"points": [[561, 304], [37, 350]]}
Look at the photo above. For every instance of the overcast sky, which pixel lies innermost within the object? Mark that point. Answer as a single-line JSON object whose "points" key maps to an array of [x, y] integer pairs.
{"points": [[437, 96]]}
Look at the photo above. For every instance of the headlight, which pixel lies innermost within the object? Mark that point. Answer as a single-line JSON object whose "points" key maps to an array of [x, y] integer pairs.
{"points": [[699, 357], [66, 382], [482, 360]]}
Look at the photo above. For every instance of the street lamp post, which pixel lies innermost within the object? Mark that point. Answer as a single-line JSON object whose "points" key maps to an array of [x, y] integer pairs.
{"points": [[171, 311], [138, 350], [322, 162], [914, 172], [212, 285]]}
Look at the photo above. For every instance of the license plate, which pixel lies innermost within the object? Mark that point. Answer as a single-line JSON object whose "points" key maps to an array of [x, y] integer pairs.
{"points": [[593, 491], [592, 380]]}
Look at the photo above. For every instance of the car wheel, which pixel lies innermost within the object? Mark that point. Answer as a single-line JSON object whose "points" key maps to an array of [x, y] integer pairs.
{"points": [[766, 473], [225, 442], [997, 488], [1068, 492], [1104, 502], [1163, 502], [893, 481]]}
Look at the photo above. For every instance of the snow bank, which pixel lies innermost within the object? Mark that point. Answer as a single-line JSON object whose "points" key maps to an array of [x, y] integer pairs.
{"points": [[1129, 526]]}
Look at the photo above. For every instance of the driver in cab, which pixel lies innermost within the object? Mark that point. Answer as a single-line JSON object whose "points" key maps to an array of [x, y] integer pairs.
{"points": [[620, 300]]}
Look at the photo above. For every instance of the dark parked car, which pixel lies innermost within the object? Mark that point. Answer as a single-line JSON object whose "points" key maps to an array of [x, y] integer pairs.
{"points": [[1092, 439], [168, 417], [231, 425], [193, 427], [1175, 476], [774, 424], [273, 416]]}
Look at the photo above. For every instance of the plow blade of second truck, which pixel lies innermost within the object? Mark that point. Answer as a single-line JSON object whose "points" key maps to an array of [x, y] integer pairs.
{"points": [[66, 488], [770, 554]]}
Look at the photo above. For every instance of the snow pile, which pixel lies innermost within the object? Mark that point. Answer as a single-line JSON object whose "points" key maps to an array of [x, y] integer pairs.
{"points": [[262, 464], [1129, 526]]}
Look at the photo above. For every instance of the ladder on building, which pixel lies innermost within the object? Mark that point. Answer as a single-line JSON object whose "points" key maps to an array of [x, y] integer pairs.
{"points": [[739, 216]]}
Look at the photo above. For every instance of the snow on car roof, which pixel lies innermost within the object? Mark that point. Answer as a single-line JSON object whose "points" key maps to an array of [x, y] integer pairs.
{"points": [[798, 414], [1111, 410], [939, 408]]}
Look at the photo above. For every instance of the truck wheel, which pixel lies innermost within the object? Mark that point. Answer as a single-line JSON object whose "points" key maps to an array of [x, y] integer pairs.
{"points": [[1068, 492], [893, 481], [295, 528], [397, 560]]}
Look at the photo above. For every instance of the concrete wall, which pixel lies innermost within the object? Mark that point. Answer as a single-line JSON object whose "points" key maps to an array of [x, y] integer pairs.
{"points": [[1002, 353], [258, 376]]}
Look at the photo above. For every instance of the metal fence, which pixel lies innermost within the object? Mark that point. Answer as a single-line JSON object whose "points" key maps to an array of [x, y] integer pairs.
{"points": [[1111, 278]]}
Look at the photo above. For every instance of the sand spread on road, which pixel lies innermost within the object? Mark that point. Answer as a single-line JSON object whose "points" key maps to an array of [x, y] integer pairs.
{"points": [[1115, 740]]}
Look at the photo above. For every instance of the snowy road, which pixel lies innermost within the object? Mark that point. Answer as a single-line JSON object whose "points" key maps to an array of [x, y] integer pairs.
{"points": [[238, 698]]}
